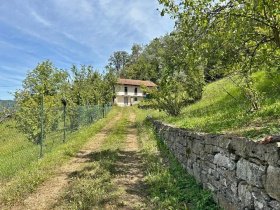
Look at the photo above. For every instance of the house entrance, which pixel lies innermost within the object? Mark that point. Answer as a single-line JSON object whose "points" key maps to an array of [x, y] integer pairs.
{"points": [[126, 100]]}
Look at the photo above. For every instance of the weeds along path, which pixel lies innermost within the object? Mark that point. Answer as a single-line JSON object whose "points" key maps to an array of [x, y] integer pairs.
{"points": [[48, 193], [129, 175]]}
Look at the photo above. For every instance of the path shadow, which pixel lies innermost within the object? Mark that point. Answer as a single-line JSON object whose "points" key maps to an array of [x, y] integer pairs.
{"points": [[125, 167]]}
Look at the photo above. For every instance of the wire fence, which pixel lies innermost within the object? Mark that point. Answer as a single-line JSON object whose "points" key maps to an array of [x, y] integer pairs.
{"points": [[68, 120], [71, 119], [53, 125], [66, 123]]}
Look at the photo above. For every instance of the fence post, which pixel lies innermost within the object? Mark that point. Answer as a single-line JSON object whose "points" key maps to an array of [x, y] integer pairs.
{"points": [[64, 122], [42, 125], [63, 101]]}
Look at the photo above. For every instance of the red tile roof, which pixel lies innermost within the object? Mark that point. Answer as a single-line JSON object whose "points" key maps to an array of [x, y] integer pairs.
{"points": [[136, 82]]}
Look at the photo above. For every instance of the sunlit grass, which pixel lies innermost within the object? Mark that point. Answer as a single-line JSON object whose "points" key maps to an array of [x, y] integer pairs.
{"points": [[220, 112]]}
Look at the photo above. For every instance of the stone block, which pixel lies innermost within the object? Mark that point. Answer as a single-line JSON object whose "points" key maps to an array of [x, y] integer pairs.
{"points": [[197, 171], [268, 153], [225, 173], [234, 188], [238, 146], [216, 183], [210, 164], [245, 195], [224, 161], [250, 172], [272, 182], [224, 141]]}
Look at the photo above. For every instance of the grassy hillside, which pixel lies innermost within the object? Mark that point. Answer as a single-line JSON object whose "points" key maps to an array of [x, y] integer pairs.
{"points": [[222, 112]]}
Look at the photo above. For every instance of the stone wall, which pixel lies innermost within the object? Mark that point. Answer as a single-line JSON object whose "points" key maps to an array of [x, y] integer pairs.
{"points": [[241, 174]]}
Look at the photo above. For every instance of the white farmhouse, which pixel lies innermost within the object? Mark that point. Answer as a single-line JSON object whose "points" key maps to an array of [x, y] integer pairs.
{"points": [[129, 92]]}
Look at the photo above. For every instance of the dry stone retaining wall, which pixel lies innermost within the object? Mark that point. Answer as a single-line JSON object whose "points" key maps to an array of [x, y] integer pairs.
{"points": [[240, 173]]}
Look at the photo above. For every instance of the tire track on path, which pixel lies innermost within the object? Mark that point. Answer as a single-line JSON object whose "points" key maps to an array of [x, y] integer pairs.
{"points": [[130, 173]]}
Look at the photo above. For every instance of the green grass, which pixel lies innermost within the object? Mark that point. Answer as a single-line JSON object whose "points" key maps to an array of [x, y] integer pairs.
{"points": [[27, 172], [218, 112], [17, 153], [92, 187], [169, 185]]}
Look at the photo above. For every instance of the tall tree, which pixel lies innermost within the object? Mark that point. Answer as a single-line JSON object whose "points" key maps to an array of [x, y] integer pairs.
{"points": [[136, 51], [86, 85], [41, 89], [117, 61]]}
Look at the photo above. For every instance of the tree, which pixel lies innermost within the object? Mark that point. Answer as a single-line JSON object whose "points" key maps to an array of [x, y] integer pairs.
{"points": [[136, 51], [179, 75], [38, 99], [108, 88], [241, 36], [85, 86], [147, 65], [117, 61]]}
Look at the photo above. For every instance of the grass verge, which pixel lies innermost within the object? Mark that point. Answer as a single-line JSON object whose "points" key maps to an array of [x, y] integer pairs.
{"points": [[26, 180], [170, 187]]}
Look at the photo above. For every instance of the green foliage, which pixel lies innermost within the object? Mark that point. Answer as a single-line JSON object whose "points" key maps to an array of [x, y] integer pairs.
{"points": [[224, 108], [180, 82], [146, 65], [41, 90], [86, 86], [118, 61], [108, 88], [39, 102], [231, 37]]}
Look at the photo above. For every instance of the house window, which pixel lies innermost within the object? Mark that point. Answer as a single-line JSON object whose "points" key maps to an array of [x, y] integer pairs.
{"points": [[125, 90], [135, 91], [135, 99]]}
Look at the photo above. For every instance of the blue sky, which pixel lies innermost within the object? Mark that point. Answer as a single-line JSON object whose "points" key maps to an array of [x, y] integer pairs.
{"points": [[71, 32]]}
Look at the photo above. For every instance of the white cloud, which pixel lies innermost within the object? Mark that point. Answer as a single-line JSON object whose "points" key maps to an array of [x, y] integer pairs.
{"points": [[40, 19], [74, 10]]}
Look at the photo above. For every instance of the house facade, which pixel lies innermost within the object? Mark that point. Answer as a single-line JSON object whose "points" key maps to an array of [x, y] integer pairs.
{"points": [[129, 92]]}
